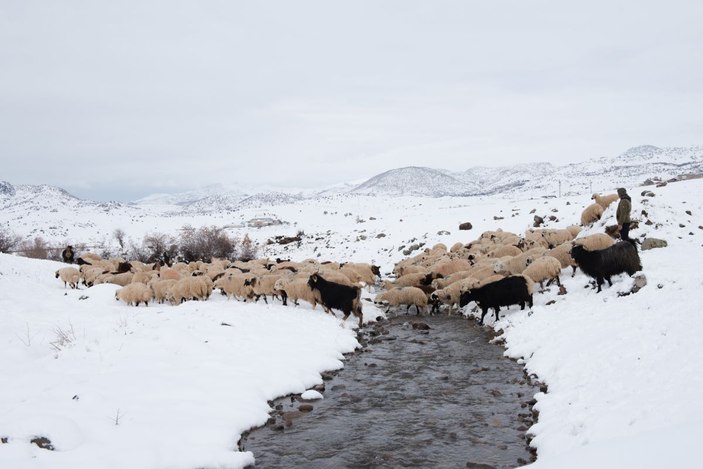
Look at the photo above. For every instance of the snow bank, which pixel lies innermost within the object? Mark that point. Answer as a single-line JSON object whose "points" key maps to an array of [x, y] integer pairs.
{"points": [[118, 386]]}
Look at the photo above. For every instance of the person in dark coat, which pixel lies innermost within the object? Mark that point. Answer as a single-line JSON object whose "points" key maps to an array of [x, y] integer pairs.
{"points": [[67, 255], [623, 214]]}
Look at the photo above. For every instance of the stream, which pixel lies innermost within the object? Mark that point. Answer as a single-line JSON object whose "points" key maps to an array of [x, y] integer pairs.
{"points": [[427, 392]]}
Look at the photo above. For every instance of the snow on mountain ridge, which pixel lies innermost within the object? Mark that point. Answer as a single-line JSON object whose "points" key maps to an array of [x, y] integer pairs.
{"points": [[413, 180]]}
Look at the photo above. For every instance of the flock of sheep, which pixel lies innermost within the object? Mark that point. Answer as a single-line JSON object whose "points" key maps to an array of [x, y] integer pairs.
{"points": [[439, 278]]}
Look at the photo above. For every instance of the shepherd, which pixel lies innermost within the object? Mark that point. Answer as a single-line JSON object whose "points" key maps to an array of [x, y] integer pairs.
{"points": [[623, 214]]}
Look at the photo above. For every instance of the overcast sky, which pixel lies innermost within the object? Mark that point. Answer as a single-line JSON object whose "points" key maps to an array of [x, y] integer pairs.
{"points": [[114, 100]]}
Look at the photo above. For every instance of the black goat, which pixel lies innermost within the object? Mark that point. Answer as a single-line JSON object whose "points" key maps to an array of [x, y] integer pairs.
{"points": [[512, 290], [604, 263], [337, 296]]}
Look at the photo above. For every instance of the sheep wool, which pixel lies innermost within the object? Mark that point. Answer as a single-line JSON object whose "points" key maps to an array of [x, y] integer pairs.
{"points": [[134, 293], [407, 296], [591, 214], [543, 268], [70, 276]]}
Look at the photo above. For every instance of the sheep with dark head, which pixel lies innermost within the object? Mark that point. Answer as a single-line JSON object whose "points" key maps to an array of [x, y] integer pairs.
{"points": [[337, 296], [622, 257]]}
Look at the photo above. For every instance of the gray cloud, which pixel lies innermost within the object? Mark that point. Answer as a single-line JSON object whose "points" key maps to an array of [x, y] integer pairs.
{"points": [[116, 100]]}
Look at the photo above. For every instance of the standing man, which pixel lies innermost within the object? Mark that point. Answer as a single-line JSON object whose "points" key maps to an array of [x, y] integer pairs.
{"points": [[623, 214]]}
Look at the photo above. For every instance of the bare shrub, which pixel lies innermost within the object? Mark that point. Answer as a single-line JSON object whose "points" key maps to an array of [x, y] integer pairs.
{"points": [[36, 249], [248, 250], [64, 338], [119, 235], [8, 240], [206, 243]]}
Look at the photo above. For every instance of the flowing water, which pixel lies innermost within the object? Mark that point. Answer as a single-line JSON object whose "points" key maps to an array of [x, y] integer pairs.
{"points": [[442, 397]]}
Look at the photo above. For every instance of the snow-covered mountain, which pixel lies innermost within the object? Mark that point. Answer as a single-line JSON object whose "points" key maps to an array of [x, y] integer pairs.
{"points": [[415, 181], [42, 210]]}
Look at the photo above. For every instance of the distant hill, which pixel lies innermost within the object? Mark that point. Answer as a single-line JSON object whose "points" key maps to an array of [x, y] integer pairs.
{"points": [[629, 169], [415, 181]]}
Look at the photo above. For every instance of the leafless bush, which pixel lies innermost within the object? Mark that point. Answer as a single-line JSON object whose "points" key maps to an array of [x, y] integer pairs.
{"points": [[119, 235], [8, 240], [37, 249], [206, 243], [64, 338], [247, 250]]}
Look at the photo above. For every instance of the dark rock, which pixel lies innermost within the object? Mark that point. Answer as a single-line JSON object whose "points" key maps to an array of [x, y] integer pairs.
{"points": [[550, 302], [647, 194], [289, 416], [688, 212], [42, 442], [443, 232], [538, 221], [653, 243], [422, 326], [497, 217], [465, 226], [661, 184]]}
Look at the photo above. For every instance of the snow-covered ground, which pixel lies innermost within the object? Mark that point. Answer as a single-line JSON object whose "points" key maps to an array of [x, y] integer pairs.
{"points": [[164, 386]]}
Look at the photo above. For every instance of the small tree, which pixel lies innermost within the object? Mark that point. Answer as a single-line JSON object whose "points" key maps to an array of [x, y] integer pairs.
{"points": [[37, 249], [8, 240], [247, 251], [205, 243], [119, 235]]}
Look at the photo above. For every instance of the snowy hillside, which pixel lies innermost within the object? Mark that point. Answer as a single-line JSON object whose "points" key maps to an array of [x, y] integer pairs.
{"points": [[32, 211], [175, 386], [413, 181]]}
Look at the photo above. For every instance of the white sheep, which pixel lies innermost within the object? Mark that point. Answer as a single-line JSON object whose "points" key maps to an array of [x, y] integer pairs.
{"points": [[236, 285], [450, 294], [265, 284], [556, 237], [297, 288], [408, 296], [122, 279], [595, 242], [457, 247], [504, 250], [604, 200], [408, 280], [144, 276], [443, 282], [543, 268], [188, 288], [574, 230], [446, 266], [70, 276], [161, 288], [168, 273], [562, 253], [360, 272], [515, 264], [134, 293], [89, 273], [591, 214]]}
